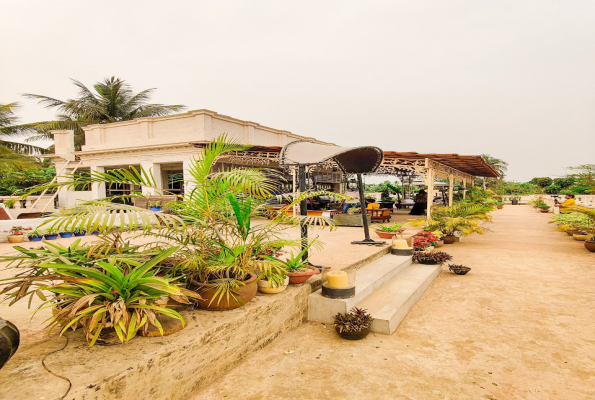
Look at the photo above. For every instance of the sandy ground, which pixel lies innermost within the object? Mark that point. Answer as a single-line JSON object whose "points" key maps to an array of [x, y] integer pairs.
{"points": [[520, 325]]}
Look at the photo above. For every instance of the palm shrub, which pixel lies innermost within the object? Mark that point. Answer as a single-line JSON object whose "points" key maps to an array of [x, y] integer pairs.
{"points": [[570, 221], [212, 222], [587, 223], [465, 219]]}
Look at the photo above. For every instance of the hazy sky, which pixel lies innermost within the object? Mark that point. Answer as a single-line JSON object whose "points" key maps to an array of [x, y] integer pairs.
{"points": [[514, 79]]}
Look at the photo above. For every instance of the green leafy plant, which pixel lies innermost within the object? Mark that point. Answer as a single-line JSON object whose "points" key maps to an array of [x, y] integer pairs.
{"points": [[462, 218], [393, 228], [108, 296], [439, 257], [295, 263], [587, 222], [355, 320]]}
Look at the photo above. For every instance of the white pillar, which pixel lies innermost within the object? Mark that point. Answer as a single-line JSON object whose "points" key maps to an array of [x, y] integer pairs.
{"points": [[155, 170], [188, 180], [451, 181], [430, 185], [464, 188], [98, 189], [63, 198]]}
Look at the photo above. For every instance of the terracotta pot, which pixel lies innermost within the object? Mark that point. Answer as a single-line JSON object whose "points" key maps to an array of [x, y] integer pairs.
{"points": [[301, 277], [449, 239], [544, 211], [16, 238], [9, 340], [580, 236], [242, 296], [387, 235], [265, 286], [590, 245], [353, 335]]}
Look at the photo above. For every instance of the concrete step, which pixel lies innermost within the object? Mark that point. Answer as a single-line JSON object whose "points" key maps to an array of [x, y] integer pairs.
{"points": [[368, 279], [390, 304]]}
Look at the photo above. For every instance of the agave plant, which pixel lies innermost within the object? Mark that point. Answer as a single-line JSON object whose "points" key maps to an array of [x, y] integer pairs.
{"points": [[108, 297], [355, 320], [463, 218]]}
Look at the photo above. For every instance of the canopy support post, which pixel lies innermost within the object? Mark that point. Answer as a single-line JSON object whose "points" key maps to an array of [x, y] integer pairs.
{"points": [[303, 210], [451, 181], [367, 240], [430, 194]]}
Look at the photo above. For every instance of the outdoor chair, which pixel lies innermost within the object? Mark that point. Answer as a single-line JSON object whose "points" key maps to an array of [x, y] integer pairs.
{"points": [[380, 214]]}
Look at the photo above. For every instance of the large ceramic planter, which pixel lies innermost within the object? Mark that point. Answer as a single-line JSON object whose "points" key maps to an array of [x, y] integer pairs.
{"points": [[301, 277], [243, 295], [9, 341], [514, 202], [590, 245], [353, 335], [449, 239], [16, 238], [266, 286]]}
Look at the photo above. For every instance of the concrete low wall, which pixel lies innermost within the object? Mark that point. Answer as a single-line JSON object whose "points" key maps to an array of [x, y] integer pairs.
{"points": [[164, 368]]}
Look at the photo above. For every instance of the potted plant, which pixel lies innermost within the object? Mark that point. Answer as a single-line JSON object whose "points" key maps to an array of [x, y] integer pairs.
{"points": [[79, 232], [458, 269], [298, 270], [353, 325], [155, 205], [587, 225], [440, 236], [36, 235], [16, 234], [50, 234], [461, 218], [387, 232], [431, 258], [424, 241], [273, 279], [499, 205], [514, 200], [66, 234], [544, 208]]}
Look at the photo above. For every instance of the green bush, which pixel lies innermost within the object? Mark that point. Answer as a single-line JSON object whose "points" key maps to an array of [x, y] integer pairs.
{"points": [[13, 181]]}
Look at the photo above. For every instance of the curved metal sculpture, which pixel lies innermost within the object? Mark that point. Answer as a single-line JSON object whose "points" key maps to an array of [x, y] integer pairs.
{"points": [[9, 341], [351, 160]]}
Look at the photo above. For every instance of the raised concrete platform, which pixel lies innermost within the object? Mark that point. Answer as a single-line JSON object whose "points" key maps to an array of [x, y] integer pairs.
{"points": [[368, 279], [388, 288], [390, 304]]}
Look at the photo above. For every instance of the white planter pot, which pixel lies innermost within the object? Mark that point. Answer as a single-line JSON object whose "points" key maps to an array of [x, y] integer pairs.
{"points": [[265, 286]]}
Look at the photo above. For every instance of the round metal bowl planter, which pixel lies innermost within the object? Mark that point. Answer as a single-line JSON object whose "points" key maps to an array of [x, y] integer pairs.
{"points": [[9, 341], [427, 262], [358, 335], [590, 245]]}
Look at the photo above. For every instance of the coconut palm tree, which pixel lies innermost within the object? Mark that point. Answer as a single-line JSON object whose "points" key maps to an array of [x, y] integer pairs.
{"points": [[500, 166], [13, 154], [111, 101]]}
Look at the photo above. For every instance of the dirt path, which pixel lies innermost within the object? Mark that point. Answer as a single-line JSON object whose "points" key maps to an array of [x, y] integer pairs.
{"points": [[520, 325]]}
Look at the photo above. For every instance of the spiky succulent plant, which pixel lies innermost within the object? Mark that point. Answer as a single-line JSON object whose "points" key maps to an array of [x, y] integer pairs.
{"points": [[356, 320]]}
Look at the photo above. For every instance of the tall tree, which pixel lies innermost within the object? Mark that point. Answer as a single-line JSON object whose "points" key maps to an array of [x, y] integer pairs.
{"points": [[111, 101], [14, 154], [500, 166]]}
